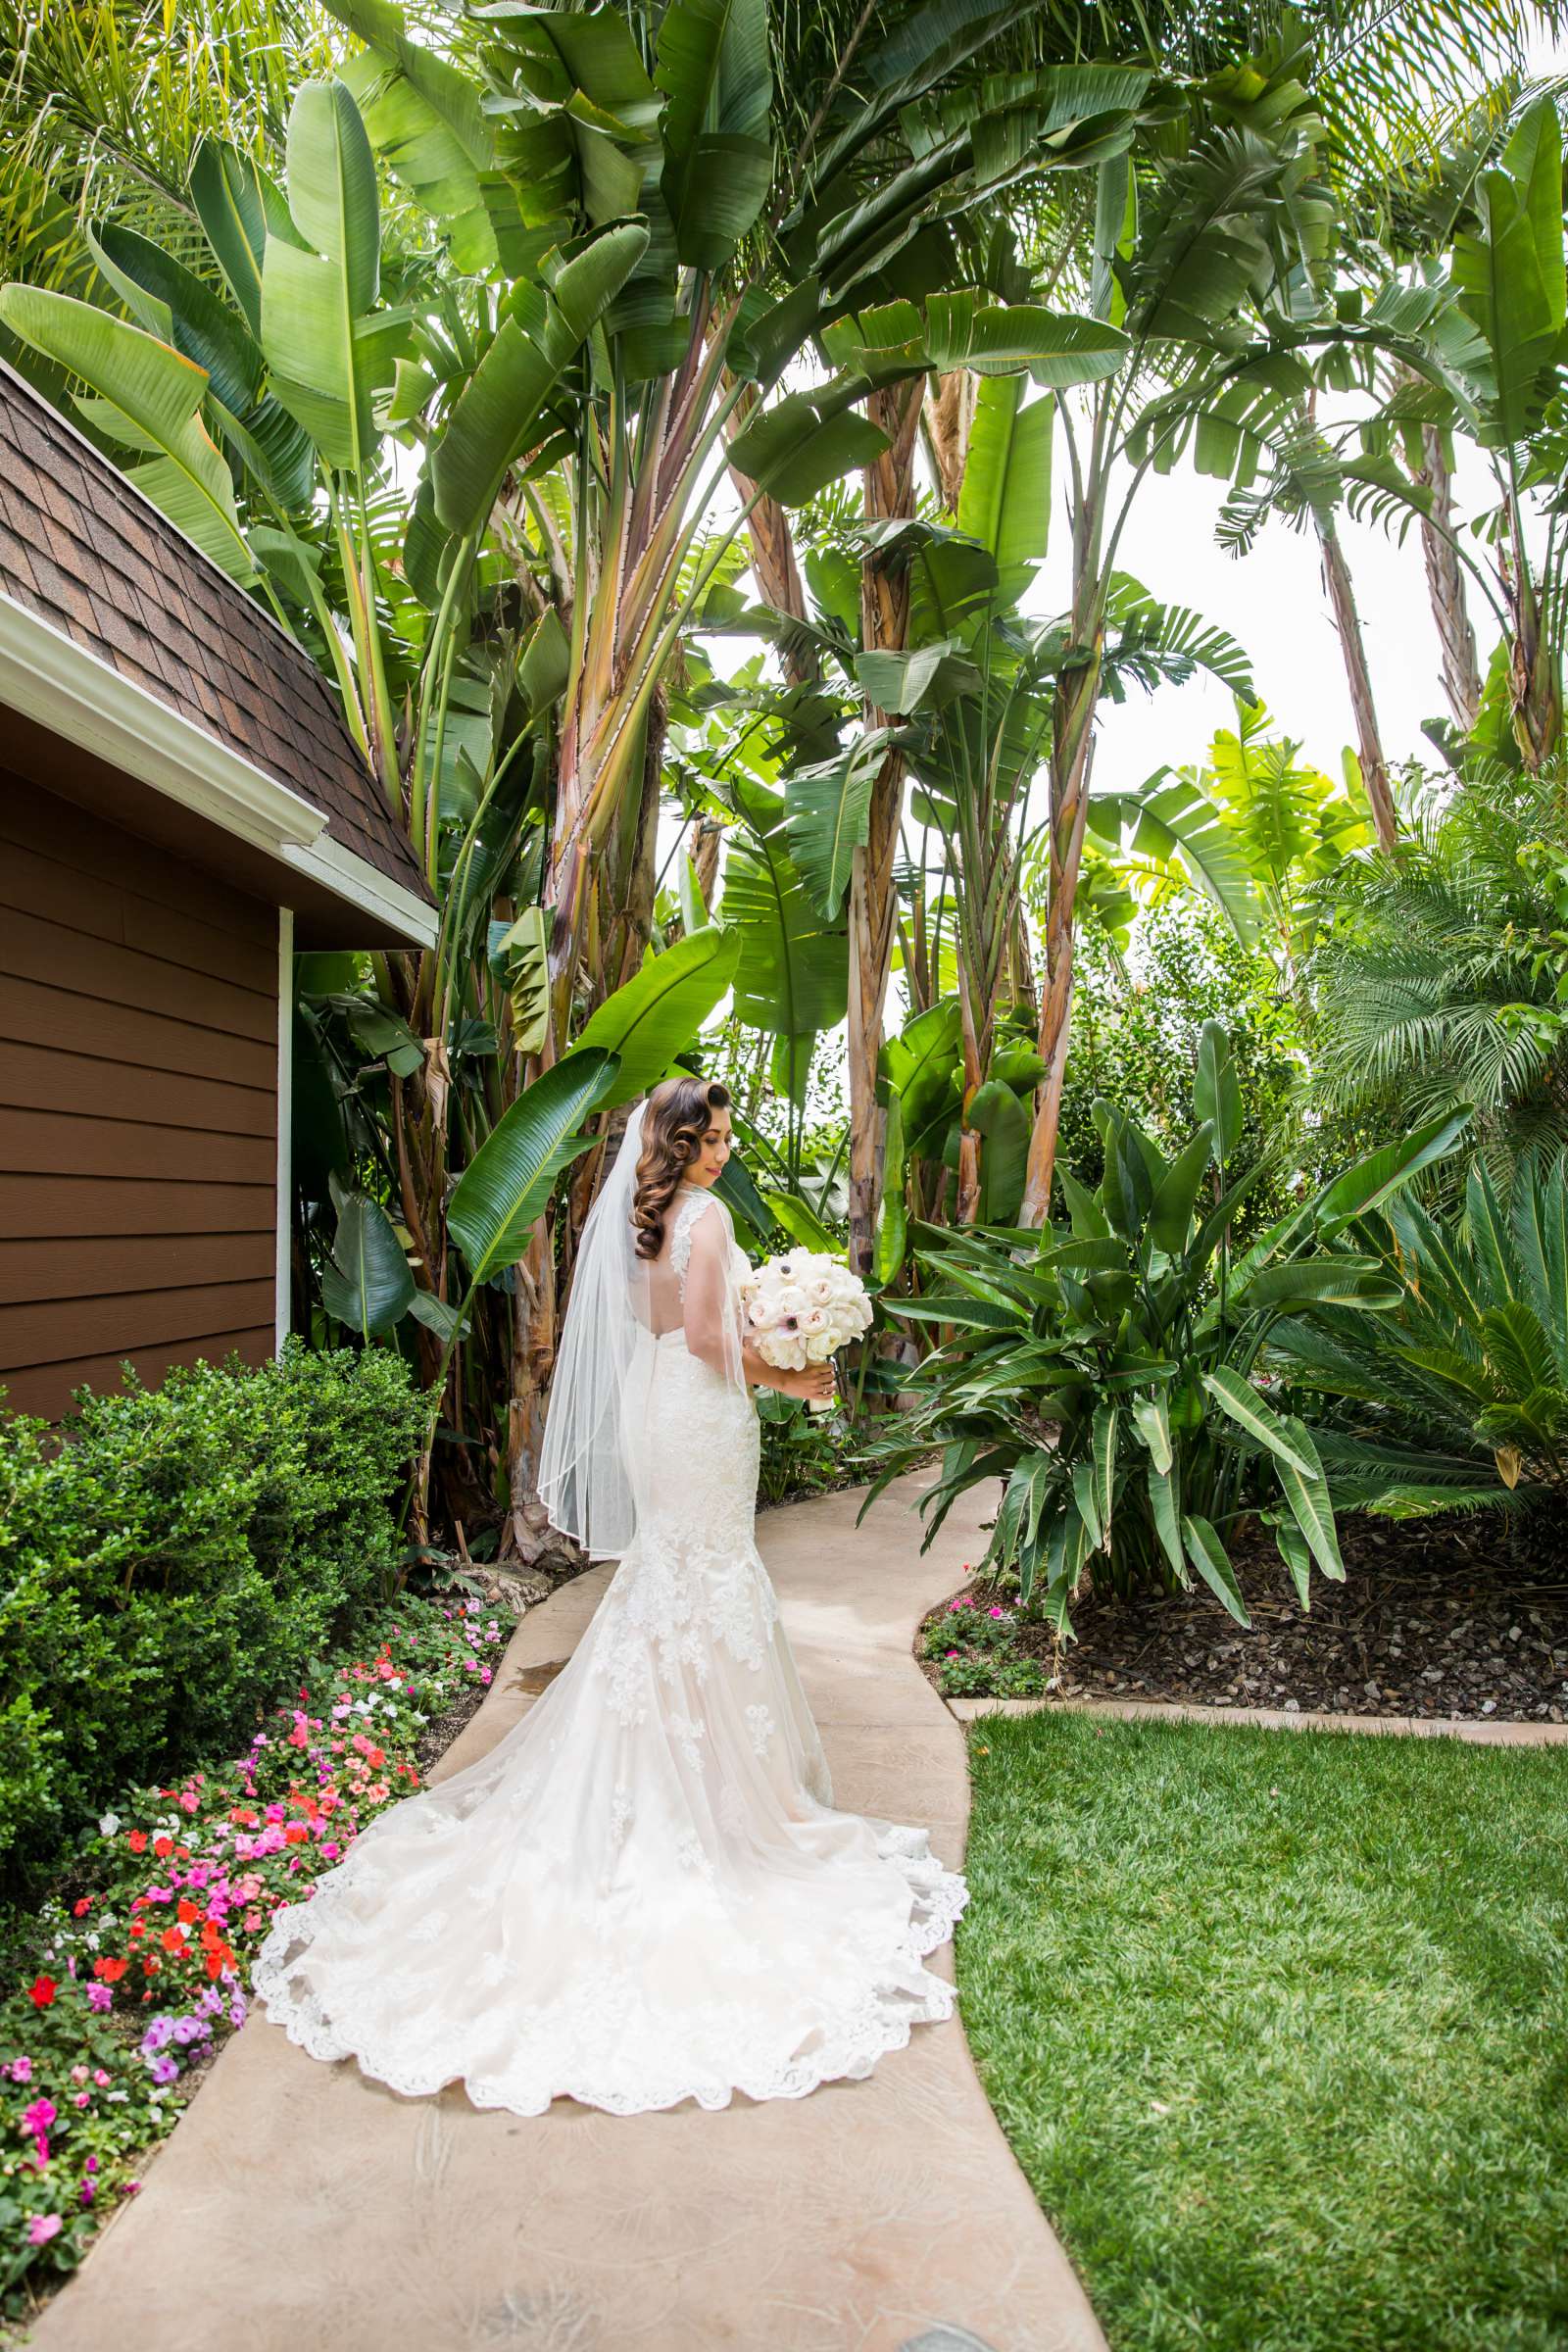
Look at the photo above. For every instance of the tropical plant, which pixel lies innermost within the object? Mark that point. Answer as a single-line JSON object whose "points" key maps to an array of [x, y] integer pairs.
{"points": [[1138, 1015], [602, 307], [1105, 1374], [1440, 975], [1459, 1396], [1468, 333], [1253, 828]]}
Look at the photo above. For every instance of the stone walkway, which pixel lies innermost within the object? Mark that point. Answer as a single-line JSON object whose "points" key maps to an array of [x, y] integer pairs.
{"points": [[300, 2207]]}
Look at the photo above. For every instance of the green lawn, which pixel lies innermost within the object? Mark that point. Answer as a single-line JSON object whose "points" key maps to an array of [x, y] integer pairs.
{"points": [[1275, 2021]]}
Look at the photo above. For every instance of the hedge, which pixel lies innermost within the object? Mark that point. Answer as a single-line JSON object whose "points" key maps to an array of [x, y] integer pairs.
{"points": [[166, 1568]]}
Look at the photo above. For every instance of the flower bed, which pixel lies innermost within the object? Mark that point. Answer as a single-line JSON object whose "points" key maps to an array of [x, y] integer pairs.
{"points": [[1437, 1618], [125, 1984], [969, 1648]]}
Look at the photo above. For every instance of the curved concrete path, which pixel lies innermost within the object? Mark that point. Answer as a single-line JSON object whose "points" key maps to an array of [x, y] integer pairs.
{"points": [[300, 2207]]}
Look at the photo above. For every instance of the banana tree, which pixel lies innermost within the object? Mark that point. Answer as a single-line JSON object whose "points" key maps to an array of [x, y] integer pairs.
{"points": [[1205, 254]]}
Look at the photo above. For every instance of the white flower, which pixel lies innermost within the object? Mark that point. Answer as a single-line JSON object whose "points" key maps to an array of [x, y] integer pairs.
{"points": [[109, 1826]]}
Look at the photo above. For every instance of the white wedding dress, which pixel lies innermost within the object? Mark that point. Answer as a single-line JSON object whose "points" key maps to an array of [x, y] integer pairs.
{"points": [[642, 1895]]}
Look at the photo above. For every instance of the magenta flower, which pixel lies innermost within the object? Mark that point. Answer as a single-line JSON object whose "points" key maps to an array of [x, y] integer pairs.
{"points": [[39, 2116], [42, 2226]]}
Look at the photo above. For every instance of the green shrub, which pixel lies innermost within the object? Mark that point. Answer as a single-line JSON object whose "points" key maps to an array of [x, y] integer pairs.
{"points": [[1135, 1038], [1458, 1400], [1106, 1373], [164, 1570]]}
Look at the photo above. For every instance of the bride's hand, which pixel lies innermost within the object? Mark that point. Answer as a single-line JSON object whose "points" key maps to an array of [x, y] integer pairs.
{"points": [[814, 1383]]}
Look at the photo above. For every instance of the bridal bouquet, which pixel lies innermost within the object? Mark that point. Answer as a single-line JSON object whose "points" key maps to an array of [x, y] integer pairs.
{"points": [[801, 1308]]}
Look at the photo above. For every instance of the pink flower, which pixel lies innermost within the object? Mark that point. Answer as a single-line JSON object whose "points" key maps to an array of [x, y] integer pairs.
{"points": [[39, 2116], [996, 1612], [81, 2098], [189, 1801], [100, 2076], [42, 2228], [21, 2069]]}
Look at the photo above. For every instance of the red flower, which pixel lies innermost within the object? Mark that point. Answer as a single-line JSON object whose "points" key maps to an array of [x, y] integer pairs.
{"points": [[42, 1991], [110, 1971], [163, 1845], [150, 1965], [189, 1912], [136, 1840], [81, 1909], [295, 1834], [173, 1939]]}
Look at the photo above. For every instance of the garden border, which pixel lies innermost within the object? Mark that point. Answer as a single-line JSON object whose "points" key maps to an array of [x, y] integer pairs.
{"points": [[1481, 1732]]}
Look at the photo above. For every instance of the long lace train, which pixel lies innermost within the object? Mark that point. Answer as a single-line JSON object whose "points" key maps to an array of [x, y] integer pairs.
{"points": [[643, 1893]]}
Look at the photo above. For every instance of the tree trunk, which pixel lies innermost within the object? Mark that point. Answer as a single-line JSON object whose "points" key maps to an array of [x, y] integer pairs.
{"points": [[1535, 673], [872, 899], [773, 562], [702, 848], [948, 417], [1462, 670], [1071, 760], [1353, 649]]}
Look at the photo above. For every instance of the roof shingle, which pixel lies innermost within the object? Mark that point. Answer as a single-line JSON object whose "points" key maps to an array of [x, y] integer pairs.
{"points": [[82, 549]]}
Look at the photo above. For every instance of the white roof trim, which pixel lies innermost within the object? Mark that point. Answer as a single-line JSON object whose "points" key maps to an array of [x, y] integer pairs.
{"points": [[46, 675], [349, 876]]}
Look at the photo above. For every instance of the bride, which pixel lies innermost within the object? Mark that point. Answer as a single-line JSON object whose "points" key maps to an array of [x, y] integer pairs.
{"points": [[641, 1894]]}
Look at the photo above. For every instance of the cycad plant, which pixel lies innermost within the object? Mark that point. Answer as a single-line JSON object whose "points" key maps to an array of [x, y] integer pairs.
{"points": [[1104, 1372], [1458, 1398]]}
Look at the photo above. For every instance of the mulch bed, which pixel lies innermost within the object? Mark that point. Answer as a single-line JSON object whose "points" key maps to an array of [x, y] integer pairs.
{"points": [[1437, 1617]]}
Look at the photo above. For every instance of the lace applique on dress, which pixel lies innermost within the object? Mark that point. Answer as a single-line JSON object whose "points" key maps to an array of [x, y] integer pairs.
{"points": [[641, 1893], [692, 1201]]}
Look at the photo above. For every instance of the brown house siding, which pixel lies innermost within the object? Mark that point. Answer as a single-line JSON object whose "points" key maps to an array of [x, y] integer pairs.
{"points": [[138, 1107]]}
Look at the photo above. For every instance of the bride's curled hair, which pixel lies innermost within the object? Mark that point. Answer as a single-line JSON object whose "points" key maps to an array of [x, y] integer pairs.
{"points": [[678, 1114]]}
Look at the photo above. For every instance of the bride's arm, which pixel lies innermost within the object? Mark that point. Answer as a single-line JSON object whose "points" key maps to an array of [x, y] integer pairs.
{"points": [[708, 1305]]}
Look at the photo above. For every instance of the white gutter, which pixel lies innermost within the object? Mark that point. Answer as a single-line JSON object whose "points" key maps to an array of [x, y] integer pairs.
{"points": [[46, 675]]}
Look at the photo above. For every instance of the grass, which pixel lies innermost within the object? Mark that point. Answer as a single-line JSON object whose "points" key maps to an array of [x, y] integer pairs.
{"points": [[1275, 2021]]}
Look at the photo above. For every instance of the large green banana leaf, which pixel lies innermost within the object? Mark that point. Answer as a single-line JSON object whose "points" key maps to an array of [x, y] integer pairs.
{"points": [[1004, 500], [805, 441], [502, 410], [503, 1191], [329, 348], [367, 1284], [715, 71], [793, 973], [149, 396], [175, 303], [828, 807], [658, 1012], [239, 208]]}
